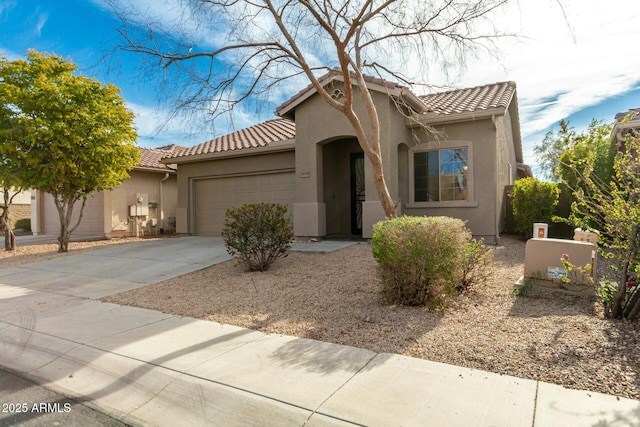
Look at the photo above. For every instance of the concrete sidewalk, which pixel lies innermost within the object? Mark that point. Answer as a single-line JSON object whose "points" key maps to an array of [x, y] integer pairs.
{"points": [[150, 368]]}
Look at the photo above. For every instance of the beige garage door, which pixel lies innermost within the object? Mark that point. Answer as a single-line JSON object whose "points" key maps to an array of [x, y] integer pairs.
{"points": [[213, 196]]}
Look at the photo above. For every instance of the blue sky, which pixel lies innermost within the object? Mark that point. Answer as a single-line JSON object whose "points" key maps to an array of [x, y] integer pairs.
{"points": [[579, 69]]}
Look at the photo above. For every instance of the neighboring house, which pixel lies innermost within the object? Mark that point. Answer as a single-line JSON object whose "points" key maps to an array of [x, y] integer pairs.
{"points": [[145, 203], [626, 122], [310, 160]]}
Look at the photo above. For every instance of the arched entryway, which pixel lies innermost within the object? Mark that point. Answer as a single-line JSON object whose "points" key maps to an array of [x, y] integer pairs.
{"points": [[343, 186]]}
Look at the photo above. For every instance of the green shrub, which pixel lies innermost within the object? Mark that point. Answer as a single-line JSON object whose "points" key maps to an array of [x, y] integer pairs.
{"points": [[258, 234], [23, 224], [533, 201], [420, 259], [476, 266]]}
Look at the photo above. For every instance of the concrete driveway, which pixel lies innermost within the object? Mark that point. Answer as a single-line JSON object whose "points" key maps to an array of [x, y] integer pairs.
{"points": [[118, 268]]}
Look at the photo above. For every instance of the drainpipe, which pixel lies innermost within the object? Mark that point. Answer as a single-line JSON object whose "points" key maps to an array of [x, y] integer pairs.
{"points": [[161, 207]]}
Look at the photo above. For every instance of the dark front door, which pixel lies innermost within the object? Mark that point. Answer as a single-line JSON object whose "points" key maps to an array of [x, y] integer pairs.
{"points": [[357, 192]]}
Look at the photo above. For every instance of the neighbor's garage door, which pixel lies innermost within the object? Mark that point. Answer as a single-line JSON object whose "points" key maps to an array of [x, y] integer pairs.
{"points": [[213, 196]]}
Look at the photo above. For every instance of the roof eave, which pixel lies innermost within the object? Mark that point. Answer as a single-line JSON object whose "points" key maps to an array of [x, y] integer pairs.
{"points": [[157, 170], [430, 119], [515, 128], [279, 146], [413, 100], [617, 133]]}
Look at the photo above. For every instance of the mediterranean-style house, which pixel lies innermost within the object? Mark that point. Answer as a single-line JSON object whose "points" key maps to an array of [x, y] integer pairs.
{"points": [[626, 122], [309, 159], [145, 203]]}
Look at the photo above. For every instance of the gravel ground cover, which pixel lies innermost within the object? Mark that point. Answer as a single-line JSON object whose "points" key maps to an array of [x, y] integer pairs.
{"points": [[334, 297], [548, 336]]}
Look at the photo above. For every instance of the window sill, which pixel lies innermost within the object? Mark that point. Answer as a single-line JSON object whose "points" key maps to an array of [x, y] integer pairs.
{"points": [[451, 204]]}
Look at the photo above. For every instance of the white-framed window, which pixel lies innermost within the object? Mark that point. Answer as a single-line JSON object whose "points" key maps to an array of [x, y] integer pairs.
{"points": [[441, 174]]}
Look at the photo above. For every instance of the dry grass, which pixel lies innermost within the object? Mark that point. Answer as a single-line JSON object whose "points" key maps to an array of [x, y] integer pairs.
{"points": [[335, 298]]}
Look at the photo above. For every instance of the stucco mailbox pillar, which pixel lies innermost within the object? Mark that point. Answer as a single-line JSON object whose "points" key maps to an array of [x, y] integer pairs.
{"points": [[543, 264]]}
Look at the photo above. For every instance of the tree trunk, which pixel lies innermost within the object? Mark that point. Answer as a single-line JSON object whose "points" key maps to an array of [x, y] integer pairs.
{"points": [[65, 212], [632, 307], [617, 308], [9, 239], [618, 300], [63, 239], [374, 154], [370, 143], [9, 236]]}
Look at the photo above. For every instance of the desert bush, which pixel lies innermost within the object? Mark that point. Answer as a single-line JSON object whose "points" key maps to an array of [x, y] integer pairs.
{"points": [[23, 224], [258, 234], [476, 266], [533, 201], [420, 259]]}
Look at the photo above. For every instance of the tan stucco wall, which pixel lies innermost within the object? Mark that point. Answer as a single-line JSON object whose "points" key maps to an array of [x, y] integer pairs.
{"points": [[480, 216], [92, 223], [20, 205], [21, 198], [19, 211], [505, 156], [106, 212], [149, 183], [318, 124], [321, 166], [541, 255], [222, 167], [492, 149]]}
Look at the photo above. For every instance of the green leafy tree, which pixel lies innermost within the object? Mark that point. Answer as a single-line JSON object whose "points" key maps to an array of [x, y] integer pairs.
{"points": [[561, 150], [10, 184], [615, 209], [552, 147], [533, 201], [593, 150], [65, 134]]}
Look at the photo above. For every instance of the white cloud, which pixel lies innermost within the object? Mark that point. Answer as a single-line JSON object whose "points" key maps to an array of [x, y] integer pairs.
{"points": [[153, 128], [560, 66], [6, 5], [172, 15], [42, 20]]}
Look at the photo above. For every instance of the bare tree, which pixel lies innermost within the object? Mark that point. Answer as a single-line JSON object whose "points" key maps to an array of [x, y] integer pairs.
{"points": [[262, 44]]}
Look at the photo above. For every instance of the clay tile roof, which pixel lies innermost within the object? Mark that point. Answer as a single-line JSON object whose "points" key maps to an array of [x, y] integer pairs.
{"points": [[470, 100], [634, 114], [150, 157], [259, 135]]}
